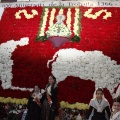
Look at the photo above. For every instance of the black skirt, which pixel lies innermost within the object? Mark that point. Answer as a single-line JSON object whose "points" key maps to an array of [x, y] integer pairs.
{"points": [[98, 116], [34, 112], [47, 112]]}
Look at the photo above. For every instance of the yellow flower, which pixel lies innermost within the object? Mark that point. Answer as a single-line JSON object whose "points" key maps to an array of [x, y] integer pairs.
{"points": [[42, 31], [76, 27], [79, 106], [94, 16], [68, 21], [61, 11], [52, 16]]}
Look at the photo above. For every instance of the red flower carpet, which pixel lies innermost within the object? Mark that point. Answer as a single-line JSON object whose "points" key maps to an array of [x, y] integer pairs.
{"points": [[30, 61]]}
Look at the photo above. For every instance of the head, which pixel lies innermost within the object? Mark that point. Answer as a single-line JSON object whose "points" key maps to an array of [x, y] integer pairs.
{"points": [[116, 104], [99, 93], [36, 88], [52, 80]]}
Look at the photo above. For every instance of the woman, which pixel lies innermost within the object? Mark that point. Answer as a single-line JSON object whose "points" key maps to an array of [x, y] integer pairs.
{"points": [[116, 109], [34, 105], [49, 107], [99, 106]]}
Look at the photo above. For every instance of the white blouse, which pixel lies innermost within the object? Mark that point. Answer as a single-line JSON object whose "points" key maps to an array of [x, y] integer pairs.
{"points": [[49, 90], [115, 116], [39, 95]]}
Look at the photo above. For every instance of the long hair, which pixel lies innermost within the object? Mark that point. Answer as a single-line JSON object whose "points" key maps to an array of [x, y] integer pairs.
{"points": [[53, 85]]}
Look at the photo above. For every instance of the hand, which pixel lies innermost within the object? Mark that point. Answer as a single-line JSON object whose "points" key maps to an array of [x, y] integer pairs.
{"points": [[33, 95], [51, 102]]}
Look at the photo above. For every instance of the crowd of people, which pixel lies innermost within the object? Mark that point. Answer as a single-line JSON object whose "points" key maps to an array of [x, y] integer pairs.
{"points": [[45, 106]]}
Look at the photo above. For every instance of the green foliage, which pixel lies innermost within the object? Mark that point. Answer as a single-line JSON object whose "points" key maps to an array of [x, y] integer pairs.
{"points": [[75, 38], [41, 38]]}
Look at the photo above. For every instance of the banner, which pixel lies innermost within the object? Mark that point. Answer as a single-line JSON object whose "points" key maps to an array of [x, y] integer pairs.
{"points": [[64, 3]]}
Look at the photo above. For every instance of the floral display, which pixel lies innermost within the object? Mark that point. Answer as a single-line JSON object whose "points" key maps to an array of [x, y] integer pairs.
{"points": [[28, 16], [17, 111], [99, 37], [6, 63], [63, 30], [60, 28], [22, 101], [78, 106], [88, 65], [43, 25], [11, 111], [97, 14]]}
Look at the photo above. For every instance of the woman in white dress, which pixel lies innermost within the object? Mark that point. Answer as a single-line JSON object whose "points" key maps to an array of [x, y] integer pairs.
{"points": [[116, 109]]}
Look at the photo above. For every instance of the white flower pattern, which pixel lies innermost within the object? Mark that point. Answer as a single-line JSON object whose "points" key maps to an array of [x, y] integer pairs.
{"points": [[88, 65]]}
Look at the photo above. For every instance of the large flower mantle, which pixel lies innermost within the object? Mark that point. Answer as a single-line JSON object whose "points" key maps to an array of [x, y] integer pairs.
{"points": [[99, 37]]}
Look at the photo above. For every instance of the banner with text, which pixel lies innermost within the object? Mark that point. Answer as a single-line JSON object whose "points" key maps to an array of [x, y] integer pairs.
{"points": [[64, 3]]}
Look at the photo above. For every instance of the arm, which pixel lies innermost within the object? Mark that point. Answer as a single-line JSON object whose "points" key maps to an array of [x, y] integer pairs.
{"points": [[43, 98], [29, 102], [89, 112], [108, 111], [54, 96]]}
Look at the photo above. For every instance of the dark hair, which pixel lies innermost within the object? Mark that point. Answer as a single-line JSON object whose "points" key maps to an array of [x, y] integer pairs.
{"points": [[37, 86], [53, 83], [117, 99], [99, 89], [54, 78]]}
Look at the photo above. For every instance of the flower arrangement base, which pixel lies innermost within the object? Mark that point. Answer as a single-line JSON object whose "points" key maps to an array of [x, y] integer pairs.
{"points": [[58, 41], [72, 114]]}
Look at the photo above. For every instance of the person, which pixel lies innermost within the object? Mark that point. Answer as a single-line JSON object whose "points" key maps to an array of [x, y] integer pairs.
{"points": [[116, 109], [99, 106], [34, 104], [49, 107]]}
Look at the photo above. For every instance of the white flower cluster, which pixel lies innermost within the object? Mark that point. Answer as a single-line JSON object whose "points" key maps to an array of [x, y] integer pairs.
{"points": [[44, 22], [1, 12], [22, 89], [52, 16], [68, 21], [6, 63], [58, 30], [27, 16], [89, 14], [76, 26], [88, 65], [25, 89], [61, 11]]}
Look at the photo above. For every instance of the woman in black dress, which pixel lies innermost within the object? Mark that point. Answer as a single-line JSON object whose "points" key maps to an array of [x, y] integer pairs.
{"points": [[99, 106], [49, 107], [34, 105]]}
